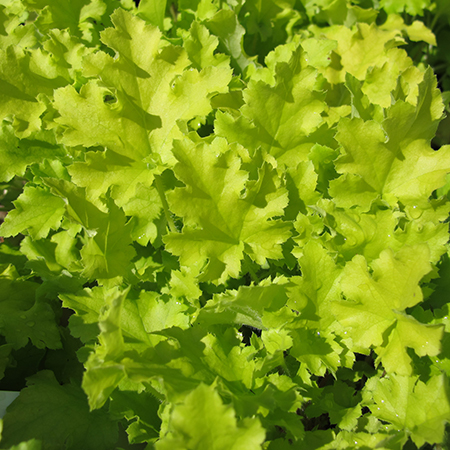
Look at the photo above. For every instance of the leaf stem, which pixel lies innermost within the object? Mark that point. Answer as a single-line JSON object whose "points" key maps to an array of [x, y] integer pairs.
{"points": [[162, 194]]}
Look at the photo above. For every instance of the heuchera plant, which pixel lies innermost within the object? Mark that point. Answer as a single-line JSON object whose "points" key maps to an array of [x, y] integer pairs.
{"points": [[226, 225]]}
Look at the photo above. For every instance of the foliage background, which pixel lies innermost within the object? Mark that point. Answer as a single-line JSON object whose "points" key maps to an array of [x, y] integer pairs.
{"points": [[225, 224]]}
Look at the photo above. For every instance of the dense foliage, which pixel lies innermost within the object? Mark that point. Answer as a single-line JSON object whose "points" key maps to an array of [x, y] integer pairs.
{"points": [[225, 224]]}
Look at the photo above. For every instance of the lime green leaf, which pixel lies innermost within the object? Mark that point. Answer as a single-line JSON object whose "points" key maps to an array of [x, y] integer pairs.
{"points": [[68, 52], [365, 154], [175, 366], [401, 164], [108, 256], [271, 112], [363, 233], [90, 119], [301, 182], [393, 440], [66, 251], [225, 25], [152, 312], [410, 404], [142, 94], [153, 11], [202, 421], [276, 402], [359, 48], [417, 31], [381, 81], [47, 411], [142, 313], [40, 249], [17, 154], [184, 284], [228, 361], [245, 306], [87, 305], [361, 105], [374, 312], [103, 373], [37, 212], [434, 234], [79, 17], [145, 209], [407, 122], [318, 51], [12, 16], [249, 226], [414, 182], [107, 251], [413, 7], [317, 287], [318, 353], [201, 45], [357, 232], [225, 214], [276, 340], [409, 333], [125, 320], [43, 263], [104, 170], [22, 79]]}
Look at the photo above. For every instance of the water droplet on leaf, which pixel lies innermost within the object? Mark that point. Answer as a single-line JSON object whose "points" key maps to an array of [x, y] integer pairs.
{"points": [[415, 212]]}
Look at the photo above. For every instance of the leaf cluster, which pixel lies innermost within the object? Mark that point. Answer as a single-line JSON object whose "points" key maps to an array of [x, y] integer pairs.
{"points": [[225, 224]]}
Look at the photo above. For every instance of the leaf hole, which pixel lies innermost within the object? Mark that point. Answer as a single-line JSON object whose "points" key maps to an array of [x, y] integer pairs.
{"points": [[109, 99]]}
